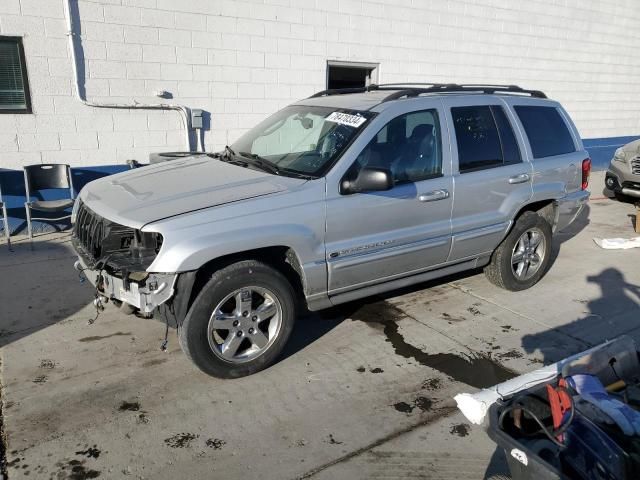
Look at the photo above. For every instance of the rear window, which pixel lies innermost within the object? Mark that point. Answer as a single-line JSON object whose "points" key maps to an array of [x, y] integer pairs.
{"points": [[484, 138], [547, 131]]}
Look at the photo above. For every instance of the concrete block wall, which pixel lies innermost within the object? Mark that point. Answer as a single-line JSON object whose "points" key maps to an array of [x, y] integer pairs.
{"points": [[241, 60]]}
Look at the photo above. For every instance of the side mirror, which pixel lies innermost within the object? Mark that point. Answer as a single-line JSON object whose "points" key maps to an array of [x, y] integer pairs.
{"points": [[368, 180]]}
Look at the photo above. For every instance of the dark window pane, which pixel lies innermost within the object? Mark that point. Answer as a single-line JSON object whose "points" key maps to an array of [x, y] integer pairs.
{"points": [[510, 149], [13, 94], [547, 132], [409, 146], [477, 138]]}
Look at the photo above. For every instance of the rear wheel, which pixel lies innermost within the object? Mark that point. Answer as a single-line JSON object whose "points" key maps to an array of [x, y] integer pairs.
{"points": [[240, 321], [522, 258]]}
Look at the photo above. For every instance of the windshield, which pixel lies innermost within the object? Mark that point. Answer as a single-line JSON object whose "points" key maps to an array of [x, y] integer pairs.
{"points": [[302, 139]]}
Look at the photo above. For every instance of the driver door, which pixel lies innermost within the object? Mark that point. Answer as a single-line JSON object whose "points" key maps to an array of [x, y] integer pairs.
{"points": [[373, 237]]}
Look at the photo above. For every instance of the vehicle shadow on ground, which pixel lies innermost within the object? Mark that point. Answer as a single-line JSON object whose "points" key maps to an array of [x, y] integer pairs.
{"points": [[615, 312], [314, 325], [38, 288]]}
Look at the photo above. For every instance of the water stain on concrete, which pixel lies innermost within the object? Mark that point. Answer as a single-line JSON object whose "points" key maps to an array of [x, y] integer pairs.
{"points": [[461, 430], [215, 443], [76, 470], [361, 369], [473, 369], [376, 370], [47, 364], [181, 440], [157, 361], [452, 318], [40, 379], [423, 403], [432, 384], [96, 338], [403, 407], [143, 418], [90, 452], [129, 406], [513, 353]]}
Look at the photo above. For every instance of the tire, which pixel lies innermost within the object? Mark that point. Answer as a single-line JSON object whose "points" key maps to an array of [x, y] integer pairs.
{"points": [[500, 270], [243, 295], [500, 477]]}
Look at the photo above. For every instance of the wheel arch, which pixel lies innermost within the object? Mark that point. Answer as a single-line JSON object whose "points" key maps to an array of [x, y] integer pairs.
{"points": [[280, 257], [547, 209]]}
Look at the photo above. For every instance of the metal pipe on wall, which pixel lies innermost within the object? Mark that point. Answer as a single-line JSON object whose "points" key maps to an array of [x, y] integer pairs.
{"points": [[74, 39]]}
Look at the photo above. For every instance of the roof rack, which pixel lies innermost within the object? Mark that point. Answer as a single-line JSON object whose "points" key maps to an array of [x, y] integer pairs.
{"points": [[415, 89]]}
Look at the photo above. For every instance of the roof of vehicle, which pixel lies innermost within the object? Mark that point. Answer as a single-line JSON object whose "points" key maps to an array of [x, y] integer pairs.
{"points": [[366, 98]]}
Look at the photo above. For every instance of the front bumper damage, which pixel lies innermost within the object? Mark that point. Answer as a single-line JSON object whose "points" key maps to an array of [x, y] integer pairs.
{"points": [[142, 290]]}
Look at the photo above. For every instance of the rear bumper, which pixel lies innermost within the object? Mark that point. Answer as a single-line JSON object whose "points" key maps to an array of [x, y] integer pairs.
{"points": [[146, 292], [569, 207]]}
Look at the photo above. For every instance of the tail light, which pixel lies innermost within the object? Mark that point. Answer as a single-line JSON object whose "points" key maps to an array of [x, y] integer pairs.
{"points": [[586, 170]]}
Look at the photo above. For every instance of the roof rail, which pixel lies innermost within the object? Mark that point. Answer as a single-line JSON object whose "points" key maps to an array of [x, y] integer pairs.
{"points": [[415, 89], [342, 91]]}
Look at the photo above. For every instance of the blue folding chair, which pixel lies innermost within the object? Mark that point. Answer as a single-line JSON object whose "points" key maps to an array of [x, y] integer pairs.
{"points": [[5, 218], [47, 177]]}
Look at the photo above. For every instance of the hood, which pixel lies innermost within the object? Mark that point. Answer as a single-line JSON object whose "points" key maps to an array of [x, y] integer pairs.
{"points": [[137, 197], [632, 147]]}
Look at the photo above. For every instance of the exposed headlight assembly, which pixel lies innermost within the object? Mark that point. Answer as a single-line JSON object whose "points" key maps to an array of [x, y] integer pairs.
{"points": [[620, 156]]}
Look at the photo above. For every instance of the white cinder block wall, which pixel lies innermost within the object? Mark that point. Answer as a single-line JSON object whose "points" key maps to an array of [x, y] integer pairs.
{"points": [[242, 60]]}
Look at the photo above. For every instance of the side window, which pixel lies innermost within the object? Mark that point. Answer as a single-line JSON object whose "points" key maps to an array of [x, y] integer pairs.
{"points": [[485, 138], [546, 129], [510, 149], [409, 146]]}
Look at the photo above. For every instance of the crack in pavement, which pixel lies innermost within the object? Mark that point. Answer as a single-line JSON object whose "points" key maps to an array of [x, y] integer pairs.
{"points": [[440, 413]]}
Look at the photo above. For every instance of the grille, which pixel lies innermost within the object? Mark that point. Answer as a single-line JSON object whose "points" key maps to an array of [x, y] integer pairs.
{"points": [[98, 236], [635, 165], [89, 231]]}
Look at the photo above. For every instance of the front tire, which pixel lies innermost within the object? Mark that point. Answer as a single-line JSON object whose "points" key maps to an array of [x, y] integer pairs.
{"points": [[523, 257], [240, 321]]}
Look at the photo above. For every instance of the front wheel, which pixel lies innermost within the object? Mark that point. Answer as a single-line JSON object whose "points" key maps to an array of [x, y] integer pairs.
{"points": [[523, 257], [240, 321]]}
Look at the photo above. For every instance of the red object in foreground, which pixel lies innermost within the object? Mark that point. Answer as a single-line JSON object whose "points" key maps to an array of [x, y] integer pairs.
{"points": [[586, 170], [560, 402]]}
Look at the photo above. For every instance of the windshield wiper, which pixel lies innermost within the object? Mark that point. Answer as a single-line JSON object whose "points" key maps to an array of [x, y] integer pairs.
{"points": [[229, 156], [261, 163]]}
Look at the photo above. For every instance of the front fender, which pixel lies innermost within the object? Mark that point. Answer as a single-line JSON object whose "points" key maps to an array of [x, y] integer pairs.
{"points": [[192, 252]]}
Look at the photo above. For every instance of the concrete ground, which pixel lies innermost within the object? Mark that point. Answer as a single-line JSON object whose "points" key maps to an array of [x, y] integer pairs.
{"points": [[363, 391]]}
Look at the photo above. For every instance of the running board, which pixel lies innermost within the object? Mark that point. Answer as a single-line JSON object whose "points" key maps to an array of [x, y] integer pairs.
{"points": [[404, 282]]}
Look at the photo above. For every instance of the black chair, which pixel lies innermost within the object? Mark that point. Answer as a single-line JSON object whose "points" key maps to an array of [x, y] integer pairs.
{"points": [[5, 218], [47, 177]]}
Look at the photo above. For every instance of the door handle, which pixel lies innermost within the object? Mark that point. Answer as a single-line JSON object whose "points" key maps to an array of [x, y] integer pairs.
{"points": [[523, 177], [433, 196]]}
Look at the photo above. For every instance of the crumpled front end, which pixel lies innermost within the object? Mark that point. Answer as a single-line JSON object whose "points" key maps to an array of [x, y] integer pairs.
{"points": [[115, 258]]}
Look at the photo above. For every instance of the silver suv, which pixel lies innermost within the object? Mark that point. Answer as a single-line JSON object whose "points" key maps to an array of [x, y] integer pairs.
{"points": [[623, 175], [342, 195]]}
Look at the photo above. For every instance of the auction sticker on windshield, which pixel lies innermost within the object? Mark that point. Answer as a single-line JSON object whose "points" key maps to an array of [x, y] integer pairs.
{"points": [[346, 119]]}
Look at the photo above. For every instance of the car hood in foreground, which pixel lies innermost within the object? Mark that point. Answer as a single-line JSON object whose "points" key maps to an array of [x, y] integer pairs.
{"points": [[632, 147], [137, 197]]}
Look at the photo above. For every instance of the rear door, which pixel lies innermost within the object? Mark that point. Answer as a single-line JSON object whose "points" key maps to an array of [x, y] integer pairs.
{"points": [[492, 176]]}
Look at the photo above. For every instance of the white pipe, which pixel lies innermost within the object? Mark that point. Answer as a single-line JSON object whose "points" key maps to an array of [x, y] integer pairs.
{"points": [[475, 406], [71, 33]]}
